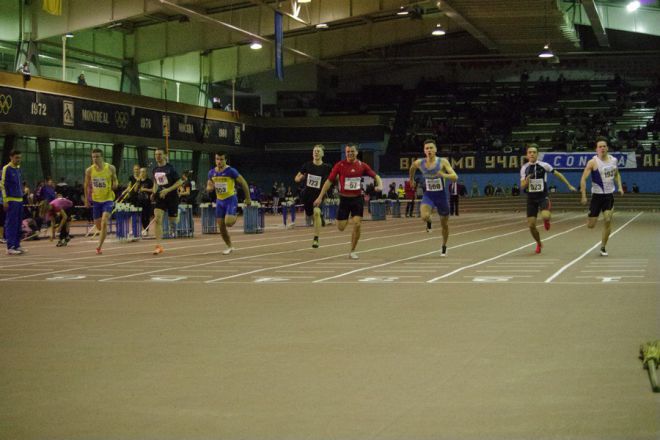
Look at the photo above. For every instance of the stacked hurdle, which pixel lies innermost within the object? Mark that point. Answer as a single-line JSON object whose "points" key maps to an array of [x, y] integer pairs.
{"points": [[329, 209], [377, 209], [395, 208], [128, 221], [185, 226], [209, 225], [254, 219]]}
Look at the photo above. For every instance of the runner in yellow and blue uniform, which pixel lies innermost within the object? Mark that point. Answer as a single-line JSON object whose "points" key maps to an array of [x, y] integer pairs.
{"points": [[223, 180], [11, 185], [101, 178]]}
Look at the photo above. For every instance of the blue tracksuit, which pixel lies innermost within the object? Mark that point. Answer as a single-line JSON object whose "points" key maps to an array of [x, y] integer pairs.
{"points": [[11, 184]]}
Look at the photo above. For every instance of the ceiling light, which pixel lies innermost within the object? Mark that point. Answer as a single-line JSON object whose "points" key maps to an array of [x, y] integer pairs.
{"points": [[322, 26], [546, 52], [402, 11], [633, 6], [68, 35], [438, 31], [256, 46], [304, 1]]}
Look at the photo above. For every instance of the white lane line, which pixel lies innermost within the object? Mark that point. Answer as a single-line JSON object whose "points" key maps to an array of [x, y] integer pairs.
{"points": [[499, 256], [304, 271], [502, 275], [398, 271], [500, 270], [161, 258], [566, 266], [429, 253], [622, 276], [612, 270]]}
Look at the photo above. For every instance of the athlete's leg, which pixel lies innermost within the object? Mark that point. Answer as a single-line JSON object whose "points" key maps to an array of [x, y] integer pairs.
{"points": [[531, 222], [222, 226], [591, 222], [444, 222], [426, 211], [607, 227], [104, 228], [355, 236], [158, 224], [341, 224], [317, 221]]}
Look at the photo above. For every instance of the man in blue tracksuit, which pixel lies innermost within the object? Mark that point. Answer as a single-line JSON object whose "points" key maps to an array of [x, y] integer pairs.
{"points": [[11, 184]]}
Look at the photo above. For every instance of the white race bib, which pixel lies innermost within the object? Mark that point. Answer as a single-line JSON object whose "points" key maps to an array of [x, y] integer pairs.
{"points": [[161, 179], [313, 181], [434, 184], [609, 172], [352, 183], [99, 182], [221, 187], [535, 185]]}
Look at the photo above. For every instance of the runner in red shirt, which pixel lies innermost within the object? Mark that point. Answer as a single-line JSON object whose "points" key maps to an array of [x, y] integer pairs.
{"points": [[351, 202]]}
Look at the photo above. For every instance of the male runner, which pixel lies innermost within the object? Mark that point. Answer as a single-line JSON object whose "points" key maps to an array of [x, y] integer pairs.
{"points": [[314, 173], [603, 170], [166, 182], [11, 185], [351, 201], [534, 178], [435, 170], [223, 179], [101, 178]]}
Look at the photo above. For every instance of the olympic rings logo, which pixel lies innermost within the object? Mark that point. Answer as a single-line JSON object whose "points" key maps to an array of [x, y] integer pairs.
{"points": [[5, 104], [121, 119]]}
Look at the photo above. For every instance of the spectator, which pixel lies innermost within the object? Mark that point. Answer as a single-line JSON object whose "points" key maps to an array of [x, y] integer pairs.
{"points": [[25, 71], [635, 188], [81, 80], [489, 189]]}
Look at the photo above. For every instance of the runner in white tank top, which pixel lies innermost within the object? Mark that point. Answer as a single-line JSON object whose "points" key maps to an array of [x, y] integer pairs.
{"points": [[604, 171]]}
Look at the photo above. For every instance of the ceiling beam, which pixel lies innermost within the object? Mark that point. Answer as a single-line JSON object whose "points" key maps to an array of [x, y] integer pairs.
{"points": [[452, 13], [596, 24], [199, 16]]}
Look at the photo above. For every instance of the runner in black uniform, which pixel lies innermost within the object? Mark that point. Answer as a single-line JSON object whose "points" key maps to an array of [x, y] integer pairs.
{"points": [[166, 182], [534, 178], [314, 173]]}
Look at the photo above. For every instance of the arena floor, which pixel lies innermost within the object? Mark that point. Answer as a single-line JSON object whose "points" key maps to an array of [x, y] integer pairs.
{"points": [[282, 341]]}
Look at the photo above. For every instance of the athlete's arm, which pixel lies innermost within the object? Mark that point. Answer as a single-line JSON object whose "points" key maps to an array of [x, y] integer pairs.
{"points": [[209, 185], [174, 187], [246, 189], [114, 182], [583, 181], [88, 176], [379, 183], [299, 177], [618, 182], [561, 177], [324, 189], [449, 171], [411, 172]]}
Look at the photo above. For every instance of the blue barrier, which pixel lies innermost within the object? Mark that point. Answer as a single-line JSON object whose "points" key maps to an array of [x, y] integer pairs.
{"points": [[209, 225], [185, 226], [395, 208], [128, 222], [377, 209], [254, 221]]}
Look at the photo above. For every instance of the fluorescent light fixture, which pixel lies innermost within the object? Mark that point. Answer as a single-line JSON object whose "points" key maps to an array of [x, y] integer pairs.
{"points": [[546, 52], [322, 26], [256, 46], [633, 6], [438, 31], [68, 35], [304, 1], [402, 11]]}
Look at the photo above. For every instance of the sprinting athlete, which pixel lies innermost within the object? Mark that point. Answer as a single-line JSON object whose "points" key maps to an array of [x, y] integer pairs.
{"points": [[534, 178], [101, 178], [166, 183], [435, 170], [603, 170], [349, 172], [314, 173], [223, 180]]}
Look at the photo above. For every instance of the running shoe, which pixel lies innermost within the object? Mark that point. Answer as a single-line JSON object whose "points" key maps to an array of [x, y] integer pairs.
{"points": [[14, 252], [428, 226], [443, 253], [353, 256], [22, 250], [61, 243], [546, 224], [99, 251], [315, 243], [3, 241], [228, 251], [603, 252], [158, 250], [538, 248]]}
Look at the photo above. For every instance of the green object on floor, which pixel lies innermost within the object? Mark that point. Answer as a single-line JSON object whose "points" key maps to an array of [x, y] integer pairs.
{"points": [[650, 355]]}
